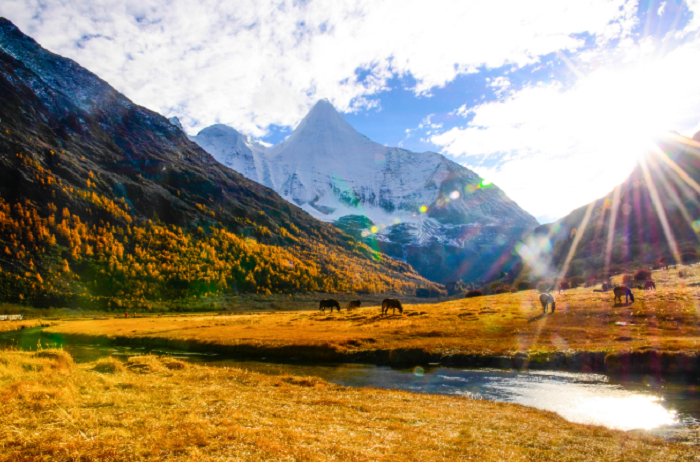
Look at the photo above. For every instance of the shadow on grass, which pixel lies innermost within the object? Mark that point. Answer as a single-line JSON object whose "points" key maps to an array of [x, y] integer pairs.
{"points": [[538, 317]]}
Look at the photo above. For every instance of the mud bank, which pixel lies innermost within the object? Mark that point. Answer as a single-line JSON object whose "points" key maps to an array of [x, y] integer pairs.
{"points": [[647, 362]]}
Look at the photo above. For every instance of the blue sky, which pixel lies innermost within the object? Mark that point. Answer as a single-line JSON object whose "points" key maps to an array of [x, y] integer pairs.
{"points": [[552, 100]]}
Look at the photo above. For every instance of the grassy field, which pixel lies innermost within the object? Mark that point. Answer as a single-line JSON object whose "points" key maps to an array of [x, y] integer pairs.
{"points": [[158, 408], [665, 320]]}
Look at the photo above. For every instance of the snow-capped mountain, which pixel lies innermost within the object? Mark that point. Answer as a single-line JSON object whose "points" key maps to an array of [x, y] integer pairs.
{"points": [[420, 207]]}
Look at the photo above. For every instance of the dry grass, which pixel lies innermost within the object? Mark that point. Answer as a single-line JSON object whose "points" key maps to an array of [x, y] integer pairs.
{"points": [[6, 326], [56, 410], [667, 319]]}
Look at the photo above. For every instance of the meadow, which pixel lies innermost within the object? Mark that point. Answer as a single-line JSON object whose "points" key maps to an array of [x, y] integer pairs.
{"points": [[665, 321], [151, 408]]}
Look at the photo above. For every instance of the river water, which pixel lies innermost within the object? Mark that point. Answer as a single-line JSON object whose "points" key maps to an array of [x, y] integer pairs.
{"points": [[641, 403]]}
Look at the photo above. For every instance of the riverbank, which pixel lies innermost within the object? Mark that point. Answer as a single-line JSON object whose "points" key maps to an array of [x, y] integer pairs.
{"points": [[657, 334], [57, 409]]}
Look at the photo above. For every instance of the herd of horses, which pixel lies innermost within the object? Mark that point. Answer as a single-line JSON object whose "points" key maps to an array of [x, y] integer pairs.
{"points": [[388, 303], [546, 299]]}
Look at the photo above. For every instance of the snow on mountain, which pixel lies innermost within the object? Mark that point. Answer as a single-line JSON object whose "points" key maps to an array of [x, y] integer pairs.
{"points": [[422, 207]]}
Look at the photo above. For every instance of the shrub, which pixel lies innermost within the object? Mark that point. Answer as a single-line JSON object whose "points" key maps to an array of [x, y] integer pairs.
{"points": [[642, 275], [575, 281], [543, 286], [523, 285], [513, 290], [474, 293], [562, 284], [689, 257], [627, 280]]}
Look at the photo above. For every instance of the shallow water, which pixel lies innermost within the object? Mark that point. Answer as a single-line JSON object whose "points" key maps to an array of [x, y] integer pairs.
{"points": [[643, 403]]}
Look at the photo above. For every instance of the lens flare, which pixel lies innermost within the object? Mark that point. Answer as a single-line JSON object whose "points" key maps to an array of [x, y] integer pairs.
{"points": [[374, 229], [696, 226], [470, 188], [423, 208], [484, 184], [396, 221], [454, 195], [418, 371]]}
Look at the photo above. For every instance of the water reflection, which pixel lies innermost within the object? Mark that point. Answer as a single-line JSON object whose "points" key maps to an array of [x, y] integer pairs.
{"points": [[583, 398]]}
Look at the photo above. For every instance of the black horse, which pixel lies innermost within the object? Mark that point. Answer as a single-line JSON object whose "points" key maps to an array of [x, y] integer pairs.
{"points": [[392, 303], [623, 291], [329, 303], [354, 304]]}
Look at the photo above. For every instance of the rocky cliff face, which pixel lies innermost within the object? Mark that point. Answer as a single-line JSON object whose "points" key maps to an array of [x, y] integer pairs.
{"points": [[419, 207]]}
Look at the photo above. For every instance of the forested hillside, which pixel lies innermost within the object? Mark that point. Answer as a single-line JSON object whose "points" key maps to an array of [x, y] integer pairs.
{"points": [[105, 203]]}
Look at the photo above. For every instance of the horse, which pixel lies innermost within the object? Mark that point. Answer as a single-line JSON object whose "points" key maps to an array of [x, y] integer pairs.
{"points": [[623, 291], [354, 304], [545, 300], [329, 303], [393, 303], [649, 285], [605, 287]]}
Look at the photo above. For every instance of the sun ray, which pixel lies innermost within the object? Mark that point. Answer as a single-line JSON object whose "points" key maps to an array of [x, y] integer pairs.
{"points": [[656, 200], [577, 239], [611, 228]]}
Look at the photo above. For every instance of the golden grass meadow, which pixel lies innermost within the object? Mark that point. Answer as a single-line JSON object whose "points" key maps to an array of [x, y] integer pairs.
{"points": [[158, 408], [665, 320], [151, 408]]}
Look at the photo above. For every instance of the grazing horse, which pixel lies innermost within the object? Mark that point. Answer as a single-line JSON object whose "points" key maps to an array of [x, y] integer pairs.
{"points": [[393, 303], [649, 285], [354, 304], [329, 303], [623, 291], [545, 300]]}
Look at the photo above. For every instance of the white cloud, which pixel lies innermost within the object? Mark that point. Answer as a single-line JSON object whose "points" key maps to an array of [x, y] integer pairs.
{"points": [[254, 63], [567, 147]]}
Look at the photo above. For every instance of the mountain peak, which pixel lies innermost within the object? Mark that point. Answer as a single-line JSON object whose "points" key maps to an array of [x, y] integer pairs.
{"points": [[324, 133]]}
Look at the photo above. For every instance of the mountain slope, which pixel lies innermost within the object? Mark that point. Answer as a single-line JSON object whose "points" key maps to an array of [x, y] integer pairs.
{"points": [[103, 198], [650, 218], [419, 207]]}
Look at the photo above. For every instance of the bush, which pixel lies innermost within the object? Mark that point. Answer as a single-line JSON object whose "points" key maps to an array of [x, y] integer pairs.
{"points": [[689, 257], [562, 285], [642, 275], [523, 285], [474, 293], [575, 281], [627, 280], [543, 286]]}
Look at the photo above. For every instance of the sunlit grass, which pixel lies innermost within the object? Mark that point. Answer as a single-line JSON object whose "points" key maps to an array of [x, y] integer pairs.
{"points": [[666, 319], [148, 409]]}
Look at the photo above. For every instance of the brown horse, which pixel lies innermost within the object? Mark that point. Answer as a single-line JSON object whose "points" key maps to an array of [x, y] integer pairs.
{"points": [[354, 304], [329, 303], [623, 292], [393, 303]]}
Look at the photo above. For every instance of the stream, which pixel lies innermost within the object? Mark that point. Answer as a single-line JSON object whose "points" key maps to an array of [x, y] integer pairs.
{"points": [[642, 403]]}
